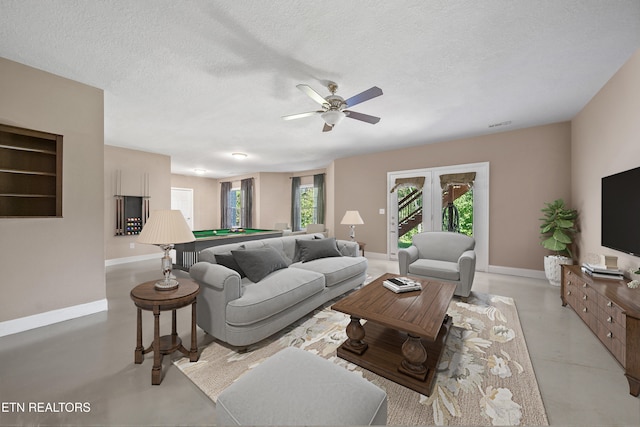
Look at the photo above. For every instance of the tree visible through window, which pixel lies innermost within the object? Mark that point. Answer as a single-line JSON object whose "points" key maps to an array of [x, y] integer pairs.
{"points": [[235, 207], [308, 208]]}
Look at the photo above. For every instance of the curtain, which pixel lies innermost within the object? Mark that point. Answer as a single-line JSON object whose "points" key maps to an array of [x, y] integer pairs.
{"points": [[295, 203], [225, 188], [417, 181], [319, 193], [246, 187], [457, 179]]}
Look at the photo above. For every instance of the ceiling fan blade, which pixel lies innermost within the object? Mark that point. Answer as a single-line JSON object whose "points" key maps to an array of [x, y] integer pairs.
{"points": [[364, 96], [313, 94], [301, 115], [327, 128], [362, 117]]}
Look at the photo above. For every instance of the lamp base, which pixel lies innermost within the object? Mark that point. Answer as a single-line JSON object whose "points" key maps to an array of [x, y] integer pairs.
{"points": [[166, 285]]}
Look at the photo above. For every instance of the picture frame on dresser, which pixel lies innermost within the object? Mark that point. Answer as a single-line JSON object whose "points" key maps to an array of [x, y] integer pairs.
{"points": [[611, 310]]}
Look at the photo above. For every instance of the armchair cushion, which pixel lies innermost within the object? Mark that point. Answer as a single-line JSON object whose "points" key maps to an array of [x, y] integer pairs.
{"points": [[444, 270]]}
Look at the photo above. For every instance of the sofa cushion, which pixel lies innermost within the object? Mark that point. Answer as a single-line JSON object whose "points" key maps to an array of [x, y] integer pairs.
{"points": [[259, 262], [229, 261], [308, 250], [444, 270], [334, 269], [275, 293]]}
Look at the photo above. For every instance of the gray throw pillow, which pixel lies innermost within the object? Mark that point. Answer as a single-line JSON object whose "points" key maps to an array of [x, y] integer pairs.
{"points": [[314, 249], [258, 263], [227, 260]]}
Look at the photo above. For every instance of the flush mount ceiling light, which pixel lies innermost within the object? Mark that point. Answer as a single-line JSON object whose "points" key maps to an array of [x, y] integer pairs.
{"points": [[239, 156], [200, 171]]}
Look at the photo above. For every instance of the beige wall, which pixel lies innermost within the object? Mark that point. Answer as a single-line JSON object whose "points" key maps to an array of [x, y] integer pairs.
{"points": [[206, 199], [54, 263], [528, 167], [605, 140], [133, 165]]}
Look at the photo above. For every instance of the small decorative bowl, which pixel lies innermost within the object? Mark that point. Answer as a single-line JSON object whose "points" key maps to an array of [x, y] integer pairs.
{"points": [[633, 284]]}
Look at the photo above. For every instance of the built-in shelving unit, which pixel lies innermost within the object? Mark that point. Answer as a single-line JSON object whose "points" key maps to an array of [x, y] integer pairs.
{"points": [[30, 173]]}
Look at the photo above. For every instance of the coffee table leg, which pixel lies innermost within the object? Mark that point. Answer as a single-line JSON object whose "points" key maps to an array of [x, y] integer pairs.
{"points": [[414, 357], [355, 332]]}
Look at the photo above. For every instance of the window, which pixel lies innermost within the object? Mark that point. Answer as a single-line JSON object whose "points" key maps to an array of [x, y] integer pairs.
{"points": [[308, 206], [235, 207]]}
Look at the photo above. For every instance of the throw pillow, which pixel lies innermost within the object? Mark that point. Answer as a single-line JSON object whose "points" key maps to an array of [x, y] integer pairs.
{"points": [[314, 249], [258, 263], [227, 260]]}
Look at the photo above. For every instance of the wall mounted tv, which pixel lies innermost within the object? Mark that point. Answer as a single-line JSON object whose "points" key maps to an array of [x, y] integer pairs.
{"points": [[621, 211]]}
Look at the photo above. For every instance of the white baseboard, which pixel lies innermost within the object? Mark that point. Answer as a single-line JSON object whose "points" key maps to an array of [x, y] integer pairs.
{"points": [[521, 272], [117, 261], [22, 324], [375, 255]]}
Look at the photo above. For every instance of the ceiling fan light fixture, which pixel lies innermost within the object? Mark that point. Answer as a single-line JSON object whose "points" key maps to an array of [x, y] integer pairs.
{"points": [[333, 117]]}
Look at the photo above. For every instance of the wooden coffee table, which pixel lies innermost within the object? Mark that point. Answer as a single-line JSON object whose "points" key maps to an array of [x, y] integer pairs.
{"points": [[404, 335]]}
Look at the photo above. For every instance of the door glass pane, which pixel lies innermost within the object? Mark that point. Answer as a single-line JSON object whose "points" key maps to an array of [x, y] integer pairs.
{"points": [[409, 214], [457, 211]]}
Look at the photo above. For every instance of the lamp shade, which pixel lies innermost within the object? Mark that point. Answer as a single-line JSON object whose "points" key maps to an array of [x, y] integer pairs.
{"points": [[166, 227], [352, 218]]}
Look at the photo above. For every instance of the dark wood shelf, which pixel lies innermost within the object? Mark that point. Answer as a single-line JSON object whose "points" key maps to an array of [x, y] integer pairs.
{"points": [[30, 173]]}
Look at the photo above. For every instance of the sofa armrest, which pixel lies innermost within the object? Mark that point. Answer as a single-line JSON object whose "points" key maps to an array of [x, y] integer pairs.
{"points": [[405, 258], [467, 264], [216, 276], [348, 248], [218, 286]]}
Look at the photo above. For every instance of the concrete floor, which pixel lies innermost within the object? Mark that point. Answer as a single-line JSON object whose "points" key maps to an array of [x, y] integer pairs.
{"points": [[90, 359]]}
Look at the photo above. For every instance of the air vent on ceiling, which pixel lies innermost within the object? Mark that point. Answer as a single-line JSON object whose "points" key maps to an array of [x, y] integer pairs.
{"points": [[495, 125]]}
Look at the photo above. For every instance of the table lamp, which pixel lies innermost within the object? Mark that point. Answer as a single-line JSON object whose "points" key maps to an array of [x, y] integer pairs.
{"points": [[352, 218], [164, 228]]}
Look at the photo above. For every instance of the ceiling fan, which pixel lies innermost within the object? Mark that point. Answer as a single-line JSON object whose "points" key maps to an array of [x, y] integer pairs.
{"points": [[333, 106]]}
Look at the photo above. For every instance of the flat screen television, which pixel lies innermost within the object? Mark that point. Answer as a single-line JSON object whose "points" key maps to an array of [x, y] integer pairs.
{"points": [[621, 211]]}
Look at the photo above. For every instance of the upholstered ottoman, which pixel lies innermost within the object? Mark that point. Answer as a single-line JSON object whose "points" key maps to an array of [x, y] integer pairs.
{"points": [[296, 387]]}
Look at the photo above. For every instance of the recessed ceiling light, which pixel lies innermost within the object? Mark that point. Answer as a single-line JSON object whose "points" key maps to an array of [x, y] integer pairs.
{"points": [[239, 155], [200, 171]]}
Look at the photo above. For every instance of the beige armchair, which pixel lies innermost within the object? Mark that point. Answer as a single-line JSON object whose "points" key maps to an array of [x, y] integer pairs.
{"points": [[442, 256], [317, 228]]}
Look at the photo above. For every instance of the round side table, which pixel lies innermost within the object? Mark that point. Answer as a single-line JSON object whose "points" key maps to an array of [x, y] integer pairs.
{"points": [[147, 297]]}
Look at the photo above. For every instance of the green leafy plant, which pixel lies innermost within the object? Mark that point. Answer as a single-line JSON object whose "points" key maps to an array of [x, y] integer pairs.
{"points": [[558, 227]]}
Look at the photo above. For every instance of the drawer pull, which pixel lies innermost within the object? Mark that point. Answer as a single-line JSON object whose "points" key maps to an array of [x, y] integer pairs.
{"points": [[609, 334], [609, 304], [568, 292], [584, 309], [569, 282], [610, 319], [584, 297], [584, 285]]}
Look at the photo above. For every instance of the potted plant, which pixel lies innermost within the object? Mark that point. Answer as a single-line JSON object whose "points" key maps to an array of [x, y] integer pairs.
{"points": [[557, 231]]}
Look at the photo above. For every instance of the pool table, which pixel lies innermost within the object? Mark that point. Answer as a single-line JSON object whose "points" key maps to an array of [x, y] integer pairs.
{"points": [[187, 253]]}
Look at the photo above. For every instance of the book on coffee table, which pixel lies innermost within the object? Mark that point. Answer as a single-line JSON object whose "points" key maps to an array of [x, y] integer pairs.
{"points": [[401, 284]]}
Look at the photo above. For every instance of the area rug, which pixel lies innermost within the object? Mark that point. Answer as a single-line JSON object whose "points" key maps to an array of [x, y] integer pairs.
{"points": [[485, 376]]}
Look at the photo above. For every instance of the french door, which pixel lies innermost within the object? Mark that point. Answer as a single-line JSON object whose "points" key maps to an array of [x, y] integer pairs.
{"points": [[450, 198]]}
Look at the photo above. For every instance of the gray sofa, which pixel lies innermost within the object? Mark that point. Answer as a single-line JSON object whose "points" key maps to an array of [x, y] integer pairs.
{"points": [[244, 310]]}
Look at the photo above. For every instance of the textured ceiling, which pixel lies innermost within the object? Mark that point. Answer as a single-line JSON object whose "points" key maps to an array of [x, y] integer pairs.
{"points": [[199, 80]]}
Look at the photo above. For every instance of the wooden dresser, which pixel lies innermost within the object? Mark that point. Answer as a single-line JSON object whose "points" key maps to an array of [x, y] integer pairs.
{"points": [[612, 311]]}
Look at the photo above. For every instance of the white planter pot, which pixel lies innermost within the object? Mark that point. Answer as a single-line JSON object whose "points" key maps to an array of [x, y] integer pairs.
{"points": [[552, 268]]}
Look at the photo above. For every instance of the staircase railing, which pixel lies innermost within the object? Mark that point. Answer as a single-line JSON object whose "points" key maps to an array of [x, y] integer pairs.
{"points": [[409, 212]]}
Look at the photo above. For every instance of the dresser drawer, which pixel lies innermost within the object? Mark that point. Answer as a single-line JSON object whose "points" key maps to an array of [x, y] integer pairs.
{"points": [[613, 337]]}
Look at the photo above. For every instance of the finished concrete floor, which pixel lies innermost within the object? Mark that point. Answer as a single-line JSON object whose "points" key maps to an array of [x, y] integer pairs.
{"points": [[90, 360]]}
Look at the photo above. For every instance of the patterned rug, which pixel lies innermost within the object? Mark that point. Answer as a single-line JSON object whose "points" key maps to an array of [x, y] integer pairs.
{"points": [[485, 376]]}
